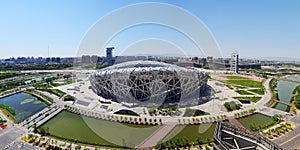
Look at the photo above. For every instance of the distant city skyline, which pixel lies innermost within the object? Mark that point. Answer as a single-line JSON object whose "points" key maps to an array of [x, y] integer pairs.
{"points": [[256, 29]]}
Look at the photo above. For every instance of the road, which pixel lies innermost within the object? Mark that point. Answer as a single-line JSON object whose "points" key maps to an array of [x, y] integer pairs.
{"points": [[291, 140]]}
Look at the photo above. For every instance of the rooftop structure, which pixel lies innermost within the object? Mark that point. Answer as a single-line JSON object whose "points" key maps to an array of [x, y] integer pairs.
{"points": [[149, 83], [228, 137]]}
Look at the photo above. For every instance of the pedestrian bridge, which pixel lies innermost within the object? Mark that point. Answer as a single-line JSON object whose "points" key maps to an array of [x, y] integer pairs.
{"points": [[284, 103]]}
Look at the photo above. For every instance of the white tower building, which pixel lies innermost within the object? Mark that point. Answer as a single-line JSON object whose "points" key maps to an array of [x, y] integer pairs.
{"points": [[234, 62]]}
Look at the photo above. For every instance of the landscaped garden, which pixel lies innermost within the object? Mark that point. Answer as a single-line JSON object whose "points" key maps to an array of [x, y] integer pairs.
{"points": [[236, 78], [232, 106], [56, 92], [246, 83], [186, 136], [252, 98], [70, 126], [260, 91], [258, 122], [243, 92], [275, 132], [3, 124], [69, 98], [4, 75], [296, 98], [193, 112]]}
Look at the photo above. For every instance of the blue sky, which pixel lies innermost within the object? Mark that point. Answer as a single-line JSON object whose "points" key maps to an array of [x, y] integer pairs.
{"points": [[255, 28]]}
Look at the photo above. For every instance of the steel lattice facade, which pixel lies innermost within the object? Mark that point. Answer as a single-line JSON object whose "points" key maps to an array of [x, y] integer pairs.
{"points": [[149, 83]]}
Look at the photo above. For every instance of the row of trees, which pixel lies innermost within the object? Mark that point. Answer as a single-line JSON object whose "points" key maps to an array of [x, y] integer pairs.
{"points": [[199, 120], [296, 97], [140, 120], [5, 75], [183, 142], [116, 118], [36, 67], [50, 144], [244, 113], [228, 106]]}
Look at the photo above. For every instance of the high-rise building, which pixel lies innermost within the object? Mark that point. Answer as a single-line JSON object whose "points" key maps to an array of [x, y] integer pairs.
{"points": [[109, 57], [234, 62], [94, 59], [86, 59]]}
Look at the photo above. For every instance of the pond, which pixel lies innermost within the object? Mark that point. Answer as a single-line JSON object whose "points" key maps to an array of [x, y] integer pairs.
{"points": [[24, 105], [285, 91], [71, 126]]}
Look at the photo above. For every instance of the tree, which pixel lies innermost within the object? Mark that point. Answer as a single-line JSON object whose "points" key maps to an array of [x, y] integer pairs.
{"points": [[67, 76], [227, 106], [77, 147]]}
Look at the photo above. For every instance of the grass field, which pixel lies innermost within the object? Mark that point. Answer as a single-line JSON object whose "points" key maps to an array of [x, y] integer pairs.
{"points": [[243, 92], [61, 84], [258, 91], [57, 92], [253, 99], [99, 132], [236, 78], [193, 112], [246, 83], [257, 119], [192, 132]]}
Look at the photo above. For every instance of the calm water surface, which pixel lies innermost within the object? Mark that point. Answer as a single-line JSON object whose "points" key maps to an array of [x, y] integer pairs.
{"points": [[24, 105], [285, 90]]}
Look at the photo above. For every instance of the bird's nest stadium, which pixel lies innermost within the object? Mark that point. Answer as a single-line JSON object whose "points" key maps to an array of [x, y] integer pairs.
{"points": [[149, 83]]}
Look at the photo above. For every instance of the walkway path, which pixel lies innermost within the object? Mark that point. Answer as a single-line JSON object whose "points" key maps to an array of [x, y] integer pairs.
{"points": [[11, 92], [157, 136], [233, 121], [49, 117], [284, 103]]}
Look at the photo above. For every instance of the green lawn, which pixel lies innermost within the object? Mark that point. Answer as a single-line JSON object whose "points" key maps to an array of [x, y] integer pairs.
{"points": [[4, 75], [253, 99], [193, 112], [246, 83], [258, 91], [236, 78], [99, 132], [243, 92], [192, 132], [257, 119], [57, 92], [61, 84]]}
